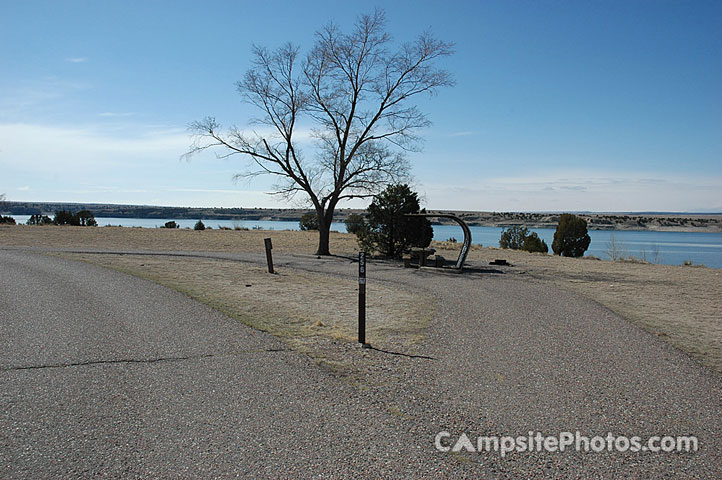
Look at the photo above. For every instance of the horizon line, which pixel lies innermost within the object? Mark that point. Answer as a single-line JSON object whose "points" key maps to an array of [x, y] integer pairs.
{"points": [[551, 212]]}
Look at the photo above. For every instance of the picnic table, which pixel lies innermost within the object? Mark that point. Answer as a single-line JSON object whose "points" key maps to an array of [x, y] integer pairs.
{"points": [[422, 254]]}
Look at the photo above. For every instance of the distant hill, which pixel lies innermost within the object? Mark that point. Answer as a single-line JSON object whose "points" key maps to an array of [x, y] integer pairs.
{"points": [[597, 221], [161, 212]]}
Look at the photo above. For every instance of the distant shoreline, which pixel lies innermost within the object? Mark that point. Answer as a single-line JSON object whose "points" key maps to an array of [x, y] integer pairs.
{"points": [[662, 222]]}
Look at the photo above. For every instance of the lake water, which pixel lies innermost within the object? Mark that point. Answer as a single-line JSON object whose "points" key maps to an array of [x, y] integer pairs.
{"points": [[670, 248]]}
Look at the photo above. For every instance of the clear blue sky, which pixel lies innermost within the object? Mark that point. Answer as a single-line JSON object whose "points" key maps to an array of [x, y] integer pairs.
{"points": [[559, 105]]}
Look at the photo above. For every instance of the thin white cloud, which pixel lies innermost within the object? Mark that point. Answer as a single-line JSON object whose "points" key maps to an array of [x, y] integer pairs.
{"points": [[34, 96], [116, 114], [44, 146], [135, 163], [96, 190], [76, 59], [115, 164], [464, 133], [121, 162], [205, 190], [582, 190]]}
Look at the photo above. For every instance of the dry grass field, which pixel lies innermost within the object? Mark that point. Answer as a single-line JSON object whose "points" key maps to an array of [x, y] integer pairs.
{"points": [[679, 304], [122, 238], [294, 305]]}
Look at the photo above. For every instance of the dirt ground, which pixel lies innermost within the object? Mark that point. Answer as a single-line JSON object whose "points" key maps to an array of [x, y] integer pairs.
{"points": [[678, 303]]}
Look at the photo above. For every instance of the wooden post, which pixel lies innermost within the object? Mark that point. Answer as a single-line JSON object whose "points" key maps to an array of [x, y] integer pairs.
{"points": [[269, 258]]}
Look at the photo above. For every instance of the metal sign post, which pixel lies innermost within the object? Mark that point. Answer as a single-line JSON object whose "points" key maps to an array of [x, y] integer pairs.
{"points": [[362, 299]]}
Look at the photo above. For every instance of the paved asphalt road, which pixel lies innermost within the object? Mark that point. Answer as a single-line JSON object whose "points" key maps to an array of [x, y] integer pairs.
{"points": [[103, 373], [107, 374], [513, 354]]}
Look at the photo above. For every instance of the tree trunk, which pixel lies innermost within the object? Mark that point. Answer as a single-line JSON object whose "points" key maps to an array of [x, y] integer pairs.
{"points": [[324, 228], [325, 218]]}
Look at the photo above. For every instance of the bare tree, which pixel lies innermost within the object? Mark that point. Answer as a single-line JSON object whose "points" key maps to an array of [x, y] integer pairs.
{"points": [[355, 92], [616, 250]]}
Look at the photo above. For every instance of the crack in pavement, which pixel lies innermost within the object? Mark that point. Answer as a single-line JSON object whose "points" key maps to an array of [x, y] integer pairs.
{"points": [[134, 360]]}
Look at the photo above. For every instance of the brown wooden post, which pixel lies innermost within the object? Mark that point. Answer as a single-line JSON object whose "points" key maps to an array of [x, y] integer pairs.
{"points": [[269, 258]]}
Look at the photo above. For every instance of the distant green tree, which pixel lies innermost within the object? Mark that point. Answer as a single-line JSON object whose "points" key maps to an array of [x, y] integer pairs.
{"points": [[388, 230], [39, 219], [86, 218], [532, 243], [513, 237], [519, 238], [7, 220], [355, 223], [571, 238], [64, 217], [309, 221], [83, 218], [199, 225]]}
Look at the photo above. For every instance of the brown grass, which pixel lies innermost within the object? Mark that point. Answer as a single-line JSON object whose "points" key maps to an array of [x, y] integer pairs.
{"points": [[292, 304], [680, 304], [123, 238]]}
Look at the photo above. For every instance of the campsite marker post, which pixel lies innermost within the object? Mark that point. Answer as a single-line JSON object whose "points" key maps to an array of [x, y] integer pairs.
{"points": [[269, 258], [362, 300]]}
